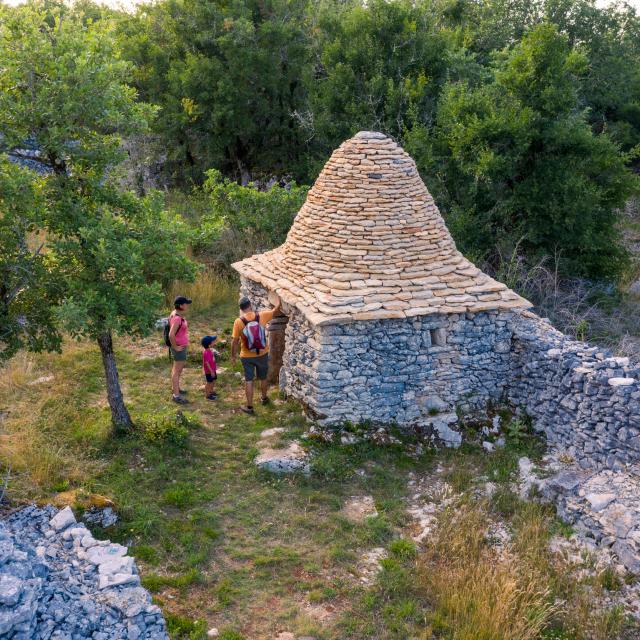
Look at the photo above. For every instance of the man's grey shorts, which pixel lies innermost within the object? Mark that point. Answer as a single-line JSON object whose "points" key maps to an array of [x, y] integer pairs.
{"points": [[179, 356], [255, 367]]}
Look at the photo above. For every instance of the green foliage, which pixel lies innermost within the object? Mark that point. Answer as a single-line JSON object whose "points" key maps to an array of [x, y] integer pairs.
{"points": [[183, 628], [171, 428], [228, 78], [28, 289], [244, 220], [155, 583], [523, 116], [109, 252], [403, 549], [380, 63], [517, 161]]}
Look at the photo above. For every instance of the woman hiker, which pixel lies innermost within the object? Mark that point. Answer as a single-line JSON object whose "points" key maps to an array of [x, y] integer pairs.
{"points": [[179, 339]]}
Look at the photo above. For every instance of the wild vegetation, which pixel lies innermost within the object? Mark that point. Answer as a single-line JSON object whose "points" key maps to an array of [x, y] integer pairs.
{"points": [[524, 120], [223, 544]]}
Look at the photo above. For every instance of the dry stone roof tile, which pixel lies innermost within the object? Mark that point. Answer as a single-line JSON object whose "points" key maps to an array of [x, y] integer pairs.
{"points": [[369, 243]]}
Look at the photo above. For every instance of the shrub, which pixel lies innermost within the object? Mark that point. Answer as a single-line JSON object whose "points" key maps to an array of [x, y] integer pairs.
{"points": [[171, 428], [244, 220]]}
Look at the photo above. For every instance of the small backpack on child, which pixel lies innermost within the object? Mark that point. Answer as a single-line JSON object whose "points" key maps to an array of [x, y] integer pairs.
{"points": [[254, 334]]}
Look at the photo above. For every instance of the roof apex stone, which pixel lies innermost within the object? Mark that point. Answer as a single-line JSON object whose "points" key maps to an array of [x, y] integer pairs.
{"points": [[369, 242]]}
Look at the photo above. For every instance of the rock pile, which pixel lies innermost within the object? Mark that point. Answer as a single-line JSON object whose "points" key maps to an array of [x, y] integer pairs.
{"points": [[602, 505], [58, 582]]}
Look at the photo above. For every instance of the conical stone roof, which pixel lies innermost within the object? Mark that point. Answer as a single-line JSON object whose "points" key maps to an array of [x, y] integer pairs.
{"points": [[369, 243]]}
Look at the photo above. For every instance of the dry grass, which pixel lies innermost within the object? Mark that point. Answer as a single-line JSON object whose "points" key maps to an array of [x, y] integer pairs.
{"points": [[208, 290], [41, 460], [481, 593]]}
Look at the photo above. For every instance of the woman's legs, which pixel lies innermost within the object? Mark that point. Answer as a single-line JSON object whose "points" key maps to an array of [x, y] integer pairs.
{"points": [[176, 371]]}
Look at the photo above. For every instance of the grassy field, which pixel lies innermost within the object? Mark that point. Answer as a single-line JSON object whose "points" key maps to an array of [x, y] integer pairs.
{"points": [[222, 544]]}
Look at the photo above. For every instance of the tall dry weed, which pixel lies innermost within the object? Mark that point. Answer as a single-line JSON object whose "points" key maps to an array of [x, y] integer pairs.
{"points": [[41, 458], [208, 290], [480, 592]]}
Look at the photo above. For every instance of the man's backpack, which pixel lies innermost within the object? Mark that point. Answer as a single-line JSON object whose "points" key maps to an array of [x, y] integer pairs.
{"points": [[254, 335], [167, 328]]}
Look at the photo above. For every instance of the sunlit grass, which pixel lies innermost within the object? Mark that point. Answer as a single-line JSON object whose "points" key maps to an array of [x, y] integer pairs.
{"points": [[209, 290]]}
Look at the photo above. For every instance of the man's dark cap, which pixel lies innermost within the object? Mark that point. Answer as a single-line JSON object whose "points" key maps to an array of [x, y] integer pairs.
{"points": [[180, 300], [245, 303]]}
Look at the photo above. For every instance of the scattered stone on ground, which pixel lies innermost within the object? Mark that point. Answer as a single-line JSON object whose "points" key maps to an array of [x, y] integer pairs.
{"points": [[369, 565], [104, 518], [358, 508], [428, 496], [40, 380], [213, 633], [290, 459], [588, 560], [58, 582], [603, 505]]}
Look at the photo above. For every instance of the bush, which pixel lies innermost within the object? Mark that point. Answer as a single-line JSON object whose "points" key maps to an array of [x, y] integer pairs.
{"points": [[244, 220], [170, 428]]}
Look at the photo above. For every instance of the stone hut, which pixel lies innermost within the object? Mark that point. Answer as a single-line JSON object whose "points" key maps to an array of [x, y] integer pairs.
{"points": [[386, 321]]}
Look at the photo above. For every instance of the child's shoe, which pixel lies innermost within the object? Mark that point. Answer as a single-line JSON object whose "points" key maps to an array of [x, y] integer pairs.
{"points": [[212, 396]]}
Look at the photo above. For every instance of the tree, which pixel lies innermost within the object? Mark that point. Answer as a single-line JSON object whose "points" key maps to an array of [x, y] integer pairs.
{"points": [[378, 65], [28, 291], [516, 159], [228, 78], [64, 84]]}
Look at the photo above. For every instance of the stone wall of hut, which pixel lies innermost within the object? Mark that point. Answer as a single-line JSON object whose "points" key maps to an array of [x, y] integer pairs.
{"points": [[401, 371]]}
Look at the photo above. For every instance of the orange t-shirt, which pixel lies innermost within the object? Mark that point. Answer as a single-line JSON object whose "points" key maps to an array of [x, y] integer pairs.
{"points": [[238, 328]]}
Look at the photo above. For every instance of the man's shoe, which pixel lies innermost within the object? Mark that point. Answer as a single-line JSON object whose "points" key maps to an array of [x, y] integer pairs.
{"points": [[179, 400], [248, 410], [212, 396], [266, 401]]}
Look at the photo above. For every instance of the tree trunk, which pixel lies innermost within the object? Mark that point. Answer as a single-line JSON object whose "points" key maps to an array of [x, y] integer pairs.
{"points": [[119, 413]]}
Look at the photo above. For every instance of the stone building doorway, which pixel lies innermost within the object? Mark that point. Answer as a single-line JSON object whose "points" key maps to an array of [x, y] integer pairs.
{"points": [[277, 340]]}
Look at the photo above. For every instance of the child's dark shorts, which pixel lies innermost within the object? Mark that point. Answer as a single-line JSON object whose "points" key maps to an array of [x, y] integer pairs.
{"points": [[209, 377]]}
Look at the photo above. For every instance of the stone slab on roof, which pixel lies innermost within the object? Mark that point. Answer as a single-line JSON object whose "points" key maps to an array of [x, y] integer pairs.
{"points": [[369, 243]]}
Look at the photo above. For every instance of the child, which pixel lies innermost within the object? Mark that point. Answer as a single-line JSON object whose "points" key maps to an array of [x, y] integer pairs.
{"points": [[209, 366]]}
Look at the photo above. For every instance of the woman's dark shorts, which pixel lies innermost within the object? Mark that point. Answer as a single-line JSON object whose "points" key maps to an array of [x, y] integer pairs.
{"points": [[209, 377], [179, 356], [255, 367]]}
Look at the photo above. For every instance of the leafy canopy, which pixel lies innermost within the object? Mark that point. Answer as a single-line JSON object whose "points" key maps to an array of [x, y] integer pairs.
{"points": [[64, 85], [516, 160]]}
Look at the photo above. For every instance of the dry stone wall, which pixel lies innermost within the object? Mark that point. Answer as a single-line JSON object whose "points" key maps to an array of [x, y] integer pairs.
{"points": [[585, 401], [403, 371]]}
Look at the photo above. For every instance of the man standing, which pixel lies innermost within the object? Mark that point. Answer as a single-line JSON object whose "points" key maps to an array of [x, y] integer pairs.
{"points": [[249, 333], [179, 339]]}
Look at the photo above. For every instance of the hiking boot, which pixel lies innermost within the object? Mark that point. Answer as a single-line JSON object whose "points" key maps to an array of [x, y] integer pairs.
{"points": [[248, 410], [179, 400], [266, 401], [212, 396]]}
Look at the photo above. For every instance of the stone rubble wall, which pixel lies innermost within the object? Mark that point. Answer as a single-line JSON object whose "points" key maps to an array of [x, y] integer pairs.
{"points": [[58, 582], [586, 402]]}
